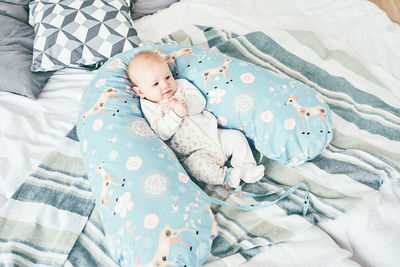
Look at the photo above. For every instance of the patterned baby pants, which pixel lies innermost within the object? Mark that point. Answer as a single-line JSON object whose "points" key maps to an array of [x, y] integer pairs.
{"points": [[201, 156]]}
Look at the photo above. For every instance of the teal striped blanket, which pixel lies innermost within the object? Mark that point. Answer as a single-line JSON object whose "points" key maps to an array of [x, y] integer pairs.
{"points": [[51, 220]]}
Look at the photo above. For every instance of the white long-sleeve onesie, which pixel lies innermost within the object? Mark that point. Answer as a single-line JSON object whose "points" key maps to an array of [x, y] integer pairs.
{"points": [[196, 138], [166, 123]]}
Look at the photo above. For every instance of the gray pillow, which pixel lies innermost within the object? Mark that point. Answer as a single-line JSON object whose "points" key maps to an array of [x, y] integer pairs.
{"points": [[17, 2], [77, 32], [142, 8], [19, 12], [16, 43]]}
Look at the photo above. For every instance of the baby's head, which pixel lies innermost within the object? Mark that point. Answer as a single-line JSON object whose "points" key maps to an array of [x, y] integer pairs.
{"points": [[151, 77]]}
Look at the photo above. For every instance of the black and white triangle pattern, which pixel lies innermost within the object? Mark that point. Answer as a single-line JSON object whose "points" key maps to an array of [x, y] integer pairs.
{"points": [[79, 32]]}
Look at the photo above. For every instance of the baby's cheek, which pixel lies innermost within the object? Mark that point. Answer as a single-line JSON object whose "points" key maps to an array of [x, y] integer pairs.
{"points": [[174, 85]]}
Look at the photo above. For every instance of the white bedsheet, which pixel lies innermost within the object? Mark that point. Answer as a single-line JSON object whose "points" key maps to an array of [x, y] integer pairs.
{"points": [[357, 27], [366, 236], [30, 129]]}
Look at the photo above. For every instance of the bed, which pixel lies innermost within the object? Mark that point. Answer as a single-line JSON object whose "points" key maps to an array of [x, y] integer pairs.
{"points": [[346, 50]]}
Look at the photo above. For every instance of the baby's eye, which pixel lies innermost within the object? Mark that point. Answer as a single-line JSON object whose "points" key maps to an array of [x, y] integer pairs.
{"points": [[155, 84], [167, 78]]}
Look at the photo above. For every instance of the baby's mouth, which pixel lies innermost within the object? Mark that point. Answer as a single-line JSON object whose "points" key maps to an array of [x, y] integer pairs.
{"points": [[167, 92]]}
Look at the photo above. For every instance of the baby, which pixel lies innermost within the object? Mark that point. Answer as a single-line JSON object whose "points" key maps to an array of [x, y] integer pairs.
{"points": [[175, 109]]}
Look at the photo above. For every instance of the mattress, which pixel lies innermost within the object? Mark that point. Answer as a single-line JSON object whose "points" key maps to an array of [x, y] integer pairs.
{"points": [[352, 34]]}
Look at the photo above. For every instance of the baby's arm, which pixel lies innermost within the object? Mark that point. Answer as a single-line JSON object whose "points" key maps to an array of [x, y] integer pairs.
{"points": [[178, 106], [165, 126], [194, 99]]}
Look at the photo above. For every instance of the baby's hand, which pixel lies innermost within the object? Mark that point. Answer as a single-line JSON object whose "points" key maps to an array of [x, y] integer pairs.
{"points": [[180, 108], [171, 103]]}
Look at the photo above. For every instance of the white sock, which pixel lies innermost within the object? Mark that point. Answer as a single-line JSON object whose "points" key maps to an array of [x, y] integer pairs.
{"points": [[233, 180], [251, 173]]}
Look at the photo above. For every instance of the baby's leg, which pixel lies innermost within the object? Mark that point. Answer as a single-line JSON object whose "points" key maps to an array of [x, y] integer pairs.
{"points": [[234, 143], [204, 167]]}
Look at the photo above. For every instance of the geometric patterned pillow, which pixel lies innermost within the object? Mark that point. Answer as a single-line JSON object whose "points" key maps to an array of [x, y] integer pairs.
{"points": [[77, 32]]}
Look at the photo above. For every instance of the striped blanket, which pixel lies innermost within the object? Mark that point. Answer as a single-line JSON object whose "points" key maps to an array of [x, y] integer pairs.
{"points": [[51, 219]]}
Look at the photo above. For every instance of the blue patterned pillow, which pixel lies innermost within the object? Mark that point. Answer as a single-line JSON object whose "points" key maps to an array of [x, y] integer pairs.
{"points": [[152, 212], [285, 119]]}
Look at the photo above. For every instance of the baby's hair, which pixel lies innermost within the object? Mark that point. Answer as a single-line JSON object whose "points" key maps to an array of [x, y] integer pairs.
{"points": [[144, 56]]}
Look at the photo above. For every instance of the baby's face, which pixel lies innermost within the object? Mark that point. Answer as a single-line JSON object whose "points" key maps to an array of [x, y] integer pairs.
{"points": [[155, 82]]}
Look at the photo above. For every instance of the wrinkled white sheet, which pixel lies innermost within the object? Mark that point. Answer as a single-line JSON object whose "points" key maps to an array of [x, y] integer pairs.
{"points": [[368, 235], [357, 27], [30, 129]]}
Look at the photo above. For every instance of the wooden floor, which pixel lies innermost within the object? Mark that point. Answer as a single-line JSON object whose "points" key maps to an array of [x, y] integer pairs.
{"points": [[391, 7]]}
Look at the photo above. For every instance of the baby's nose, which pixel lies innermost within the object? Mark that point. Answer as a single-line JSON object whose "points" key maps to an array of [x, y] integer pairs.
{"points": [[165, 85]]}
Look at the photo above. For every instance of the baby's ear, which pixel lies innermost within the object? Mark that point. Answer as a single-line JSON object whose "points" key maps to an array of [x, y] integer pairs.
{"points": [[138, 91]]}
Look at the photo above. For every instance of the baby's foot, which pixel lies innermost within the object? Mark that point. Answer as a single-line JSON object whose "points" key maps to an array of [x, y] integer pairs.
{"points": [[251, 173]]}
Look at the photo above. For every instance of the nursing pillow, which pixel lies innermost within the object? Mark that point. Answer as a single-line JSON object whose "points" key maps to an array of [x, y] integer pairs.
{"points": [[284, 119], [152, 212]]}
